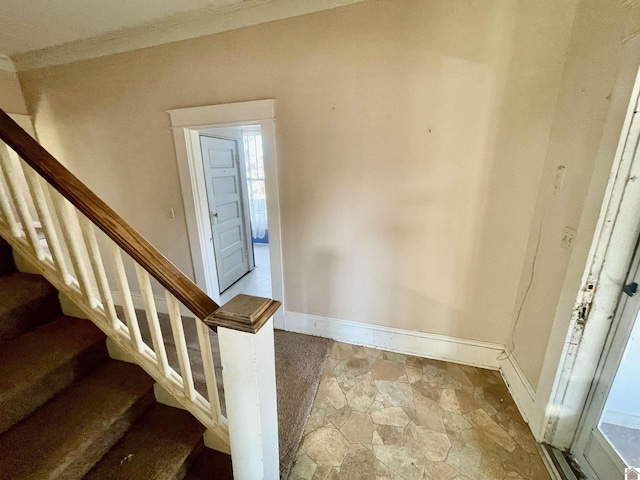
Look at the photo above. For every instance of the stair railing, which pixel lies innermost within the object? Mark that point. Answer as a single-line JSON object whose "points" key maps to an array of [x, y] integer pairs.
{"points": [[77, 242]]}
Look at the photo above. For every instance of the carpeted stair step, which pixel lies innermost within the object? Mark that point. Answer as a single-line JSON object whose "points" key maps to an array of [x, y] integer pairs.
{"points": [[41, 363], [211, 464], [68, 435], [7, 266], [162, 446], [26, 301]]}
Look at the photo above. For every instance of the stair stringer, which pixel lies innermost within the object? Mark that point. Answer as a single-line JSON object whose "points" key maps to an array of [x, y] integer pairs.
{"points": [[212, 438]]}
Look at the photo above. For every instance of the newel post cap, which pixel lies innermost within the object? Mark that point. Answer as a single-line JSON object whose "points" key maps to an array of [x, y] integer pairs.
{"points": [[244, 313]]}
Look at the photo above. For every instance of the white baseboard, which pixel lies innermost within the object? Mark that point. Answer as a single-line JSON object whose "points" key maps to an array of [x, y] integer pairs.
{"points": [[523, 393], [410, 342], [439, 347]]}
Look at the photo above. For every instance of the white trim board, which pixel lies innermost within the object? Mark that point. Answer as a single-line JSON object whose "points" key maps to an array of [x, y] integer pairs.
{"points": [[523, 394], [180, 27], [574, 350], [223, 114], [438, 347], [186, 124]]}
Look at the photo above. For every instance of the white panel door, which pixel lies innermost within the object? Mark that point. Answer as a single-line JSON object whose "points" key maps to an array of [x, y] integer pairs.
{"points": [[226, 208]]}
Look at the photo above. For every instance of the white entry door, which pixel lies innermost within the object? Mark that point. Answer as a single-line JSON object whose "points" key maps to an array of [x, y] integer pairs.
{"points": [[226, 208], [608, 441]]}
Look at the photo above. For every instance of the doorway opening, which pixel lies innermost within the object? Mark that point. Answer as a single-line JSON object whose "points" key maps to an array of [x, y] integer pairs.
{"points": [[608, 439], [595, 415], [234, 200]]}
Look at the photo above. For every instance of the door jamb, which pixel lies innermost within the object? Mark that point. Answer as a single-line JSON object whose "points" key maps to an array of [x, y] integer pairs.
{"points": [[612, 354], [616, 232], [186, 124]]}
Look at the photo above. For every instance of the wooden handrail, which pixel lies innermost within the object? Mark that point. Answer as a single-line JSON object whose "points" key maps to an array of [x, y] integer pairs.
{"points": [[103, 216]]}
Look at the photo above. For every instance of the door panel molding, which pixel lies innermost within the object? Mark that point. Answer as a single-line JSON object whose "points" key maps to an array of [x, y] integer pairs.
{"points": [[224, 185]]}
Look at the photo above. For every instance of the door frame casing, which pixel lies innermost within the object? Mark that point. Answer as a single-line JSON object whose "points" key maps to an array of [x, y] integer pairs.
{"points": [[613, 352], [186, 124], [603, 276]]}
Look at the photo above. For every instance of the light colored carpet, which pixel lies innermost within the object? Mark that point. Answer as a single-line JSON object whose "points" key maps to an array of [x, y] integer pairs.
{"points": [[300, 360]]}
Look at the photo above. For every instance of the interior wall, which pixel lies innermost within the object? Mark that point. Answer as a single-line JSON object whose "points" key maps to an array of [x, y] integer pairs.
{"points": [[411, 139], [602, 63], [11, 99]]}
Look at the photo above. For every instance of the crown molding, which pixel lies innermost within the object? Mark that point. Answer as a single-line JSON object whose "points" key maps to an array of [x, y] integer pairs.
{"points": [[182, 27], [6, 64]]}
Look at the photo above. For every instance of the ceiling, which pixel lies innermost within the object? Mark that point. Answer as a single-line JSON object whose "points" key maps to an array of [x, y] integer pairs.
{"points": [[43, 33], [27, 25]]}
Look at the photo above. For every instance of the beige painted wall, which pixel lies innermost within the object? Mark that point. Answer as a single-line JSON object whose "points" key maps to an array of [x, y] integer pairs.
{"points": [[411, 137], [11, 99], [598, 78]]}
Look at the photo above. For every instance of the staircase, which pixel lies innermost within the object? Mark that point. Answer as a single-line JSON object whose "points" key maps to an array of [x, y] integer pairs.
{"points": [[68, 411]]}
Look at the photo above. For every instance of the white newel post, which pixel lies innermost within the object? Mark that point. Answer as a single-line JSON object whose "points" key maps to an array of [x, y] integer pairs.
{"points": [[245, 333]]}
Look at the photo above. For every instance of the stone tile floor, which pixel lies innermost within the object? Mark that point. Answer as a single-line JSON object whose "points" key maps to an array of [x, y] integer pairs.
{"points": [[386, 416]]}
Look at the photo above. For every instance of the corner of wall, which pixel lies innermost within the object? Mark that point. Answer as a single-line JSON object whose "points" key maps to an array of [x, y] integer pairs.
{"points": [[451, 349], [11, 96], [523, 394]]}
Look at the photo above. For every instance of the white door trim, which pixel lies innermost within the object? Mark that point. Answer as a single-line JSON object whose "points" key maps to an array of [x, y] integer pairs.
{"points": [[606, 269], [591, 445], [186, 124]]}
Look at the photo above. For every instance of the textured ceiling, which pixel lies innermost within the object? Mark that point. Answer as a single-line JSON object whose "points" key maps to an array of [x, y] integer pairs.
{"points": [[27, 25]]}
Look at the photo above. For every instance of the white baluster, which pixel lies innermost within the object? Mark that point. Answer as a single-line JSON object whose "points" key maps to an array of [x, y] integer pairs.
{"points": [[209, 369], [7, 209], [10, 164], [181, 345], [72, 236], [42, 207], [123, 283], [98, 268], [152, 318]]}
